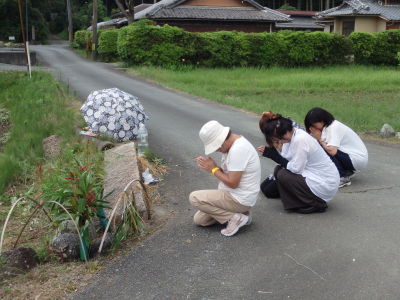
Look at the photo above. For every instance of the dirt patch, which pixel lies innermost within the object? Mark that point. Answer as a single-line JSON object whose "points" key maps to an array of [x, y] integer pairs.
{"points": [[51, 147]]}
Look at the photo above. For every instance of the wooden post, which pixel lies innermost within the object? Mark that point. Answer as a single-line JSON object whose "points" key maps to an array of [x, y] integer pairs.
{"points": [[94, 31], [21, 21], [70, 27]]}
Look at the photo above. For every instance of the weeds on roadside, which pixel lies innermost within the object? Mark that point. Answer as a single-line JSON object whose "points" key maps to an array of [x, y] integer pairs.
{"points": [[154, 159], [75, 180], [38, 107]]}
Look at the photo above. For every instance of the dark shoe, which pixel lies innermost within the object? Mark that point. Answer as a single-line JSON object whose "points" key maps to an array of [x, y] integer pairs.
{"points": [[310, 210], [344, 181]]}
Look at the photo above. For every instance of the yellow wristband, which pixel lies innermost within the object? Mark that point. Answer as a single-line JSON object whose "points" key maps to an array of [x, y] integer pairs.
{"points": [[214, 170]]}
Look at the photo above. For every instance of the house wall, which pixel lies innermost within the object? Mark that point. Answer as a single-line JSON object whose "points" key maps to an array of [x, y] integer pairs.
{"points": [[366, 24], [337, 25], [361, 24], [229, 3], [381, 25]]}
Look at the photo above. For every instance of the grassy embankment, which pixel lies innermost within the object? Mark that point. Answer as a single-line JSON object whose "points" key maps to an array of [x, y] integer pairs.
{"points": [[362, 97], [38, 107]]}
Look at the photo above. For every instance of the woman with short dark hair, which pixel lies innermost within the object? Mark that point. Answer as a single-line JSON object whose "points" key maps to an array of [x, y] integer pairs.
{"points": [[342, 144], [306, 178]]}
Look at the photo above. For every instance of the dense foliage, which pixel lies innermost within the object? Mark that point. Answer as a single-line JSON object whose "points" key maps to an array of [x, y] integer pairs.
{"points": [[152, 45], [108, 44], [380, 48], [47, 16], [146, 44], [142, 43], [74, 180]]}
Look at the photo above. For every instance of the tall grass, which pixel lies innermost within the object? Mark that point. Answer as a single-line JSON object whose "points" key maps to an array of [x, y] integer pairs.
{"points": [[38, 108], [362, 97]]}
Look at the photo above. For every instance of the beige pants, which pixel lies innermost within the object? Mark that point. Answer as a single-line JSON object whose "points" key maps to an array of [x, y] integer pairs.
{"points": [[215, 206]]}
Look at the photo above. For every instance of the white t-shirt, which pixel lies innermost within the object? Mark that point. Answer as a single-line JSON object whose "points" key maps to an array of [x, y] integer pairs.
{"points": [[346, 140], [242, 156], [307, 158]]}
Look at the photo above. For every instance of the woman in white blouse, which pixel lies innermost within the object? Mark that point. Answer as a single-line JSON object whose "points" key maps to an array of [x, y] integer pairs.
{"points": [[342, 144], [306, 177]]}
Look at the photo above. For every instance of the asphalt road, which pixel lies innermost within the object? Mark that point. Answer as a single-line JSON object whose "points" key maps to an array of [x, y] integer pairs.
{"points": [[350, 252]]}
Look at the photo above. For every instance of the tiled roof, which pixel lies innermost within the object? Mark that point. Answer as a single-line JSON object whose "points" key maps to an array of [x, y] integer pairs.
{"points": [[362, 7], [217, 13], [300, 23], [171, 9], [298, 12]]}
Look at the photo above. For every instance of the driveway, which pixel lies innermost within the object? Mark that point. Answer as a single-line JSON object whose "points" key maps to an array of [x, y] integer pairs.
{"points": [[349, 252]]}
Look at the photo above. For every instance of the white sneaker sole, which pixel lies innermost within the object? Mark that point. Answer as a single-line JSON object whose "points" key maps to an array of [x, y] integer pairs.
{"points": [[344, 184], [250, 219], [241, 224]]}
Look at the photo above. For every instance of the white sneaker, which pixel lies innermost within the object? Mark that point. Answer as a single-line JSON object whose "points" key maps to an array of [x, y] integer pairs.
{"points": [[238, 220], [344, 181], [249, 215]]}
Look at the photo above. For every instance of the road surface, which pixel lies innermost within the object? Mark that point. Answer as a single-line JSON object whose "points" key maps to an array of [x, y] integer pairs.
{"points": [[350, 252]]}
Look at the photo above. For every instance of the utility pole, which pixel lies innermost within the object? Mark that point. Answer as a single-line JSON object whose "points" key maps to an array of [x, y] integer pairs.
{"points": [[26, 20], [70, 27], [94, 30], [22, 29]]}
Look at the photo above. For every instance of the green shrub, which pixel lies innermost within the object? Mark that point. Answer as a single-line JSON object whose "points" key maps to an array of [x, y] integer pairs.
{"points": [[108, 44], [340, 49], [143, 22], [300, 49], [140, 43], [266, 49], [329, 49], [153, 45], [363, 46], [223, 49], [80, 38], [386, 48]]}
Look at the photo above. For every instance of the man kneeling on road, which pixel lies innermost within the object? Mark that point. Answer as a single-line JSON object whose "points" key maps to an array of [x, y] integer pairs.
{"points": [[239, 176]]}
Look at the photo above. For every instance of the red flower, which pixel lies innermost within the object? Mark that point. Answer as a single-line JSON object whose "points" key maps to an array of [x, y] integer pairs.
{"points": [[91, 197], [83, 168]]}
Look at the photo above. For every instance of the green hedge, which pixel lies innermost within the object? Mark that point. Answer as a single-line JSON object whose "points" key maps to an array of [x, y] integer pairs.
{"points": [[363, 46], [80, 38], [153, 45], [108, 44], [143, 43], [387, 47], [330, 48], [222, 49], [379, 48], [266, 49]]}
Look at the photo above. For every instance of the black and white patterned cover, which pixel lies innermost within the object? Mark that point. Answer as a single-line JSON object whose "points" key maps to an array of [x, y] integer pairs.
{"points": [[113, 113]]}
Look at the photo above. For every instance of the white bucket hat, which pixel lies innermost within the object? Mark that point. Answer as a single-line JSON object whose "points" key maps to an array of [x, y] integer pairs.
{"points": [[213, 135]]}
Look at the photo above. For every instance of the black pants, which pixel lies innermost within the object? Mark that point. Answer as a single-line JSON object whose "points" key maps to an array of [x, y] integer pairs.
{"points": [[269, 187], [343, 163], [295, 192]]}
